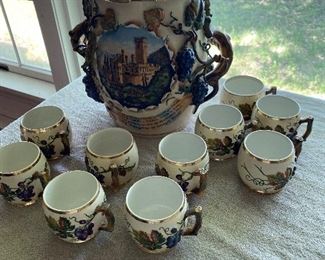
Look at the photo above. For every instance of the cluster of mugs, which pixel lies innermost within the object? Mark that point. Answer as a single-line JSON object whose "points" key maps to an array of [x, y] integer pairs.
{"points": [[262, 128], [74, 203]]}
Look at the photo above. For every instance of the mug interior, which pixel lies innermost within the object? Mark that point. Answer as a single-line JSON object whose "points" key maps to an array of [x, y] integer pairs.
{"points": [[278, 106], [220, 116], [42, 117], [269, 145], [182, 147], [154, 198], [70, 190], [18, 156], [243, 85], [110, 142]]}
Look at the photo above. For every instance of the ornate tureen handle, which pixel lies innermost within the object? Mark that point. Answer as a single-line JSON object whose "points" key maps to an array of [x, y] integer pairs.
{"points": [[197, 16], [225, 59]]}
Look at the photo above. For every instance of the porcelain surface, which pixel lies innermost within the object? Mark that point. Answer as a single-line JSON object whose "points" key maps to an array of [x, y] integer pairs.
{"points": [[266, 161], [151, 66], [47, 127], [24, 172], [157, 222], [184, 158], [75, 207], [222, 128], [112, 157], [277, 113], [243, 92]]}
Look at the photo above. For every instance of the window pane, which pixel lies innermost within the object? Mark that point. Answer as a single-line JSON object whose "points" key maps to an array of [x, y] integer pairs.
{"points": [[27, 33], [6, 48]]}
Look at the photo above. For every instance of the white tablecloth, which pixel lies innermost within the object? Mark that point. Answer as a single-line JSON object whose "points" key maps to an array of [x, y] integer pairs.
{"points": [[237, 223]]}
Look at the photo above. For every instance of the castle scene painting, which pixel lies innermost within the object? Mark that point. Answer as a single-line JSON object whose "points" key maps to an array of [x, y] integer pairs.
{"points": [[134, 66]]}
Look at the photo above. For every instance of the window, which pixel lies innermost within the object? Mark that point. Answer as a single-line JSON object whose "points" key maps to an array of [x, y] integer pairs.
{"points": [[22, 48]]}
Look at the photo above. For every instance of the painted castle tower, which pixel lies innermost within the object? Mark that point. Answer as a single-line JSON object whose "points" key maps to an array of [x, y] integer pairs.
{"points": [[136, 70]]}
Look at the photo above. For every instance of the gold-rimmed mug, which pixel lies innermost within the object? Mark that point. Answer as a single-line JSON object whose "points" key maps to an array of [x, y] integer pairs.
{"points": [[24, 172], [243, 91], [112, 157], [223, 128], [48, 127], [157, 212], [266, 161], [282, 114], [75, 207], [184, 157]]}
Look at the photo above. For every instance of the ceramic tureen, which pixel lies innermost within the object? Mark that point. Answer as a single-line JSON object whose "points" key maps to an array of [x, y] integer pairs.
{"points": [[150, 61]]}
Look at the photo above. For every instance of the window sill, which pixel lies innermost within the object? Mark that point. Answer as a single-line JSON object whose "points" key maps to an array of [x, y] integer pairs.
{"points": [[26, 85]]}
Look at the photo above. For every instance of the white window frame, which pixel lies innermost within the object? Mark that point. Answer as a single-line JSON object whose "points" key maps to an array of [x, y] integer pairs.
{"points": [[19, 67], [56, 19]]}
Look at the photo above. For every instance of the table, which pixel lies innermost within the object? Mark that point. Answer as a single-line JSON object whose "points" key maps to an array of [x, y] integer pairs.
{"points": [[237, 223]]}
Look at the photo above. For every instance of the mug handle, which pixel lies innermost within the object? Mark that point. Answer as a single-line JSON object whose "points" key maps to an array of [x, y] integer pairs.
{"points": [[298, 140], [309, 121], [43, 176], [115, 174], [104, 209], [64, 135], [202, 173], [197, 213], [272, 91]]}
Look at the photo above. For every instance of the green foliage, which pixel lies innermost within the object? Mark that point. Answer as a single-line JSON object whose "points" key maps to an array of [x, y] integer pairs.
{"points": [[281, 42]]}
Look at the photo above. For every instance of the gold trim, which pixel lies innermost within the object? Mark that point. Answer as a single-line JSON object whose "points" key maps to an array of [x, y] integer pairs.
{"points": [[27, 168], [223, 159], [259, 110], [76, 210], [77, 241], [272, 161], [222, 130], [261, 193], [112, 156], [191, 163], [184, 164], [239, 95], [153, 221], [25, 129], [23, 205]]}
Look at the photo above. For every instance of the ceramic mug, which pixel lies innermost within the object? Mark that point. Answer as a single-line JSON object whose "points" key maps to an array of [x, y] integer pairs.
{"points": [[157, 213], [47, 127], [266, 161], [112, 157], [243, 92], [75, 207], [24, 172], [184, 158], [222, 128], [281, 114]]}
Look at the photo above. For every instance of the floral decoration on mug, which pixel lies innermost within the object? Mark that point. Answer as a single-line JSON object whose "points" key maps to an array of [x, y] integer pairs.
{"points": [[47, 127]]}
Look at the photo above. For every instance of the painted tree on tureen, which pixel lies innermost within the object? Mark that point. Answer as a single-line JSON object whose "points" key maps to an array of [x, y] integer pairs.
{"points": [[150, 61]]}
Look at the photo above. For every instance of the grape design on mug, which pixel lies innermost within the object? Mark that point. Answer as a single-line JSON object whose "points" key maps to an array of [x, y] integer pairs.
{"points": [[158, 238], [76, 229]]}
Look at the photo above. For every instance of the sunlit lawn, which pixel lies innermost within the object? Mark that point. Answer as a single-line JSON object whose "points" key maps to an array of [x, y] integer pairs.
{"points": [[281, 42]]}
